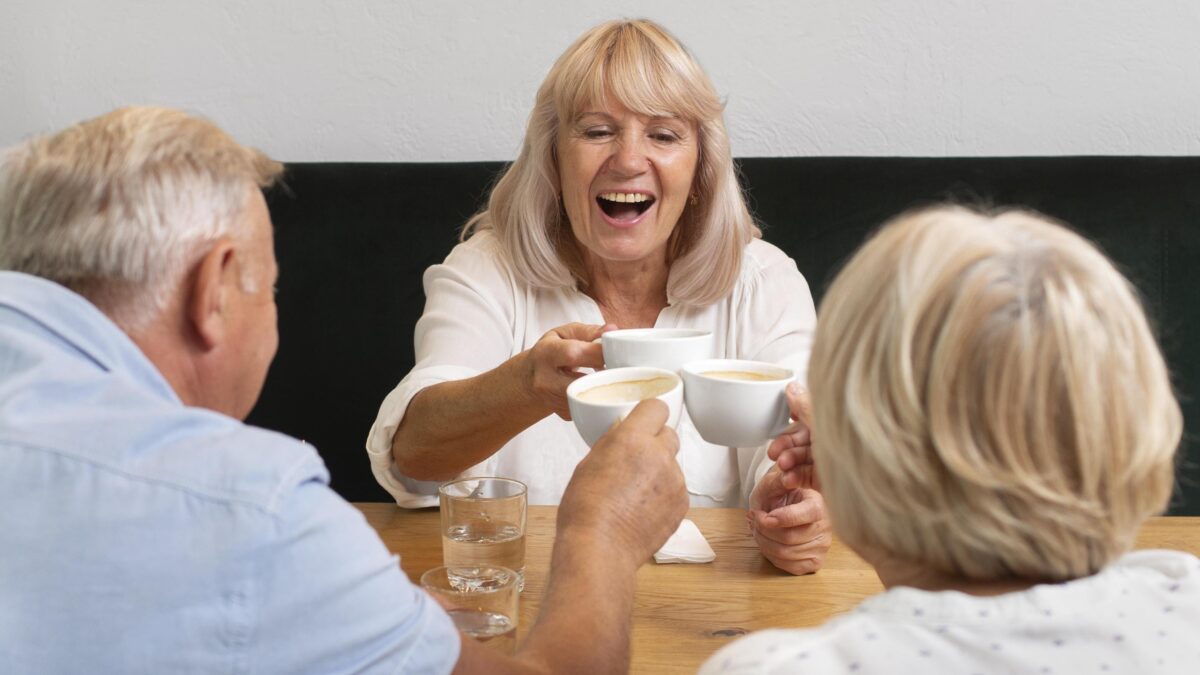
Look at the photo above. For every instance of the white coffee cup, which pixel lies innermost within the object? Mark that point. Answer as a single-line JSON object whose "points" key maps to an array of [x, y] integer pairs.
{"points": [[739, 413], [667, 348], [600, 400]]}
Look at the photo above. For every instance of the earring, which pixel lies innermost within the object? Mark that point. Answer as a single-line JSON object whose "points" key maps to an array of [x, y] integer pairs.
{"points": [[693, 199]]}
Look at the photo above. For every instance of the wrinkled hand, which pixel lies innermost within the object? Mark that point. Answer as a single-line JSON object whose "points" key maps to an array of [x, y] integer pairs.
{"points": [[787, 512], [553, 363], [629, 489]]}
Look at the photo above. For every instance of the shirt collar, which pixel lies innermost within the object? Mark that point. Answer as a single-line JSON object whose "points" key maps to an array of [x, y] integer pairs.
{"points": [[70, 319]]}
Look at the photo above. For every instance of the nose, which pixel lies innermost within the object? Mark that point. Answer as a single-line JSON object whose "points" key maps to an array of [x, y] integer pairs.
{"points": [[629, 157]]}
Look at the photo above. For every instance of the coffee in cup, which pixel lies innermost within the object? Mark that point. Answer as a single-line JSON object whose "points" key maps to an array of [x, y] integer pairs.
{"points": [[630, 390], [744, 375], [600, 400], [737, 403]]}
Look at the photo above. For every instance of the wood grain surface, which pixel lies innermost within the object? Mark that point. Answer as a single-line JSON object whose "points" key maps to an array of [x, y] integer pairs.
{"points": [[684, 613]]}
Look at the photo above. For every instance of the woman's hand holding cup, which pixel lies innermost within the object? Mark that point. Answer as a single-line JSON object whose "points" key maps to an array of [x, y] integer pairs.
{"points": [[787, 512], [554, 362]]}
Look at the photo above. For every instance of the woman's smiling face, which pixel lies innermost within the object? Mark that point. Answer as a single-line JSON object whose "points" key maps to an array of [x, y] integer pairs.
{"points": [[625, 179]]}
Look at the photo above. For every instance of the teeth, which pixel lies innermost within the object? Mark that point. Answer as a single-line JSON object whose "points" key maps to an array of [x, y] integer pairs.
{"points": [[625, 197]]}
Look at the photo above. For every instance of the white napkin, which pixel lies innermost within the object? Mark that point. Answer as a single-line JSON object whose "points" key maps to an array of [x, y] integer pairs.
{"points": [[687, 545]]}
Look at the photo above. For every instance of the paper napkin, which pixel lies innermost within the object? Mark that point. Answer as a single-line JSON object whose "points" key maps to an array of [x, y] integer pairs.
{"points": [[687, 545]]}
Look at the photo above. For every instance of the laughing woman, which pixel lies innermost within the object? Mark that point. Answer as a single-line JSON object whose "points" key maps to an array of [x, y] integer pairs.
{"points": [[623, 209]]}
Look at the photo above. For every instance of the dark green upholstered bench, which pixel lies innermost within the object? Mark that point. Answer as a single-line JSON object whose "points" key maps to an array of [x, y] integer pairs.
{"points": [[354, 239]]}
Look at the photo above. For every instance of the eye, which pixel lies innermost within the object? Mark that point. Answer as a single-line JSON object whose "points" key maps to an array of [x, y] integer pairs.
{"points": [[664, 136], [597, 132]]}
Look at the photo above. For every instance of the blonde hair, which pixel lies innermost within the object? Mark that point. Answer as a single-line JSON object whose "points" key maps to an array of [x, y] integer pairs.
{"points": [[119, 207], [989, 401], [650, 73]]}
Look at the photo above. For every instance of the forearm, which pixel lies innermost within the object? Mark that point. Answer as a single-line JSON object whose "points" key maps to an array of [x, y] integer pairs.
{"points": [[588, 604], [451, 426]]}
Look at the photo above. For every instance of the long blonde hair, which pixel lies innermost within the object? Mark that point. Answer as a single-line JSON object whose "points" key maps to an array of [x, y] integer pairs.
{"points": [[650, 73], [989, 399]]}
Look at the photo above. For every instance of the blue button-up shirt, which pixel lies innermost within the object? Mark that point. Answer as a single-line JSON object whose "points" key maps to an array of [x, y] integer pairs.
{"points": [[141, 535]]}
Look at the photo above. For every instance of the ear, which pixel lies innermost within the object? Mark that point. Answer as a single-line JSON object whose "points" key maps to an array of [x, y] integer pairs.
{"points": [[213, 283]]}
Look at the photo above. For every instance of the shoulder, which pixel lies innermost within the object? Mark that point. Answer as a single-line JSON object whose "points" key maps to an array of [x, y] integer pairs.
{"points": [[260, 466], [760, 254], [225, 460], [482, 250], [770, 282], [479, 262], [166, 446], [821, 649], [764, 264]]}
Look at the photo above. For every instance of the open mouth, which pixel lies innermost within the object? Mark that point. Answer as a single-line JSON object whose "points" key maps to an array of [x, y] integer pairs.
{"points": [[624, 206]]}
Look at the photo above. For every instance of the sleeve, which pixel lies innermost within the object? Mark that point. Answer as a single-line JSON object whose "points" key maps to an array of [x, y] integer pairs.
{"points": [[333, 599], [466, 329], [776, 318]]}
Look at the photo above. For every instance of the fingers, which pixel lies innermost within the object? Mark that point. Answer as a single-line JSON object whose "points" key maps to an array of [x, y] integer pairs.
{"points": [[799, 403], [809, 509], [795, 537], [648, 417], [804, 559], [571, 354], [585, 332], [795, 457]]}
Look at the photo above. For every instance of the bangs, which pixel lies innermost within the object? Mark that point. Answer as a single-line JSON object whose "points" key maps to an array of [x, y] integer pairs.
{"points": [[644, 70]]}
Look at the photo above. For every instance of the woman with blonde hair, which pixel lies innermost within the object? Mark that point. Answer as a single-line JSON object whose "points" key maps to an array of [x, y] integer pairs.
{"points": [[993, 422], [623, 209]]}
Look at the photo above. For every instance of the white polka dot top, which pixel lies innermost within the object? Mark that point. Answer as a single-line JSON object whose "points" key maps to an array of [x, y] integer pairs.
{"points": [[1140, 615]]}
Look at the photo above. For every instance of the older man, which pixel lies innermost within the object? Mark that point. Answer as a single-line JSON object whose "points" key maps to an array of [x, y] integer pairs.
{"points": [[143, 527]]}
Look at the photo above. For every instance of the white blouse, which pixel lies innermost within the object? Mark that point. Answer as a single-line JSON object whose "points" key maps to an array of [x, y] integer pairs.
{"points": [[1139, 615], [477, 316]]}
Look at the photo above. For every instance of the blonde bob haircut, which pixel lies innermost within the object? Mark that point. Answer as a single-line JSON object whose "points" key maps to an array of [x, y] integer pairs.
{"points": [[989, 401], [649, 72], [118, 208]]}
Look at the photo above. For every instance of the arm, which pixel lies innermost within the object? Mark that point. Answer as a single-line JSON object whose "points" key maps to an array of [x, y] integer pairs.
{"points": [[473, 388], [451, 426], [787, 512], [623, 502]]}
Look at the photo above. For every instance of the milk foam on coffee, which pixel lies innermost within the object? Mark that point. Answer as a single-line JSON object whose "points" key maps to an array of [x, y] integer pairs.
{"points": [[629, 390], [743, 375]]}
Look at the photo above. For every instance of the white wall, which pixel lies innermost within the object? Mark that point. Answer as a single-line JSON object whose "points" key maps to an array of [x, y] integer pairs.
{"points": [[422, 80]]}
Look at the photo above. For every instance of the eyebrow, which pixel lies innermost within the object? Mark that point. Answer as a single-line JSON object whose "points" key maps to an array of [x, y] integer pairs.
{"points": [[653, 118]]}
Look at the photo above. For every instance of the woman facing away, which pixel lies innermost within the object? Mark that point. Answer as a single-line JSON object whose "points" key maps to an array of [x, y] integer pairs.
{"points": [[623, 209], [993, 422]]}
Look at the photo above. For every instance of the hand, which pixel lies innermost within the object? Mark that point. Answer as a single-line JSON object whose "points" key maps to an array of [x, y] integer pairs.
{"points": [[629, 489], [790, 525], [792, 450], [552, 363], [787, 512]]}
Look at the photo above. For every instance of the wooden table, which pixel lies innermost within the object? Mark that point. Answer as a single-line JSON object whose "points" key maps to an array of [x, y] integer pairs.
{"points": [[684, 613]]}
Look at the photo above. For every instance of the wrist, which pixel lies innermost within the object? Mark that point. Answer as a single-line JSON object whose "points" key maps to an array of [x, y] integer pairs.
{"points": [[516, 385], [596, 546]]}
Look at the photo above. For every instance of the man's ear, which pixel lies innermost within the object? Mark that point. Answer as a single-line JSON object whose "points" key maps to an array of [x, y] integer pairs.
{"points": [[214, 279]]}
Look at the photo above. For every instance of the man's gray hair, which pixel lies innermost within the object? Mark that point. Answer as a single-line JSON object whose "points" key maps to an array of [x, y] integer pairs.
{"points": [[119, 207]]}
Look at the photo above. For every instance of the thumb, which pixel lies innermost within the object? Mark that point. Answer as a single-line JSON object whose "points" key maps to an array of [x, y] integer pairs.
{"points": [[768, 491]]}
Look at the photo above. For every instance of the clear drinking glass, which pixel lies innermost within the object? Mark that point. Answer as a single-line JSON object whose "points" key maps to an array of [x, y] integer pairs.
{"points": [[482, 601], [483, 523]]}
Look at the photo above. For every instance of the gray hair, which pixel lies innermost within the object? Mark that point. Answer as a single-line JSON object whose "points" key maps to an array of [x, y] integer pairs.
{"points": [[117, 208], [989, 401]]}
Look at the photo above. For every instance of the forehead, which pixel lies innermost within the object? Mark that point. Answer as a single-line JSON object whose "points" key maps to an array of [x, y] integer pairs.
{"points": [[615, 109]]}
